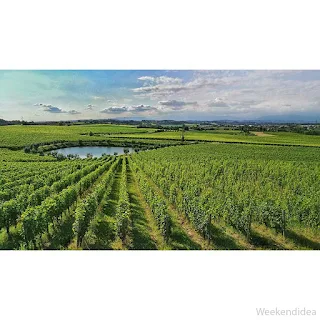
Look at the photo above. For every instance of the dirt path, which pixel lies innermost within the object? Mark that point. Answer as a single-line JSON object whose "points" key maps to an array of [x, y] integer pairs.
{"points": [[146, 235], [183, 237], [63, 230], [262, 134]]}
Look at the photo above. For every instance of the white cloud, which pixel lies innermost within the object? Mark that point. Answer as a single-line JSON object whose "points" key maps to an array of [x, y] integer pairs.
{"points": [[115, 109], [141, 108], [98, 98], [176, 104], [231, 93], [132, 109], [50, 108], [161, 89], [90, 107], [161, 80], [74, 112], [102, 98], [218, 103]]}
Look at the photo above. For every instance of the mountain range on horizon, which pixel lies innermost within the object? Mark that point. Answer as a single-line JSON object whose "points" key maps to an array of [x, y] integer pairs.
{"points": [[277, 119]]}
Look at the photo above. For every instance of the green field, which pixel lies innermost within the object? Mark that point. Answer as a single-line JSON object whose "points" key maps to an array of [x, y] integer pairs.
{"points": [[19, 136], [274, 138], [20, 155], [205, 195]]}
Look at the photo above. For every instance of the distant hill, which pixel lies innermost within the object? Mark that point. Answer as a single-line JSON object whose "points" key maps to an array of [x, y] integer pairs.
{"points": [[293, 118], [5, 122], [271, 119]]}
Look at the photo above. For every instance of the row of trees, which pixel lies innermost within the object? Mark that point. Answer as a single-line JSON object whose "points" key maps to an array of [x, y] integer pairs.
{"points": [[11, 172], [87, 208], [207, 188], [36, 220], [32, 181], [101, 230], [30, 196], [156, 202], [123, 211]]}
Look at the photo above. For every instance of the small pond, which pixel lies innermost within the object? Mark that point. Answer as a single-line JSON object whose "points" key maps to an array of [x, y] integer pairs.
{"points": [[95, 151]]}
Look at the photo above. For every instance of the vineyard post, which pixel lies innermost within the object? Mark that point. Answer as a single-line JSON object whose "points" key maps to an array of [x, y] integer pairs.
{"points": [[209, 228], [283, 223]]}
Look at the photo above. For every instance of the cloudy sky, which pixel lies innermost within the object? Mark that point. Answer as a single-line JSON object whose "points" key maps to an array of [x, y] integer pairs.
{"points": [[179, 95]]}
